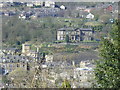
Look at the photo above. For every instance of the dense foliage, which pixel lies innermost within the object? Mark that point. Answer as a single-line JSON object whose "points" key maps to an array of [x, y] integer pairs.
{"points": [[107, 71]]}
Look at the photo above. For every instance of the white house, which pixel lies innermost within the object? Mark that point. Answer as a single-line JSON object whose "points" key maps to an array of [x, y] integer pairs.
{"points": [[22, 17], [62, 7], [30, 4], [49, 4], [25, 48], [38, 3], [90, 16]]}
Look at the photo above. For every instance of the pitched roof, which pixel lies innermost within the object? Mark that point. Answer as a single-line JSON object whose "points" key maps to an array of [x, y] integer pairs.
{"points": [[86, 29], [67, 28]]}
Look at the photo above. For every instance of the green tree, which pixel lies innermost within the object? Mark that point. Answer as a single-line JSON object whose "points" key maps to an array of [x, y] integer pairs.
{"points": [[107, 71]]}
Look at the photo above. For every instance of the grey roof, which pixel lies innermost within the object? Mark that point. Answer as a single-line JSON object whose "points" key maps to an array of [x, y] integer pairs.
{"points": [[74, 29], [13, 49], [67, 28], [86, 29]]}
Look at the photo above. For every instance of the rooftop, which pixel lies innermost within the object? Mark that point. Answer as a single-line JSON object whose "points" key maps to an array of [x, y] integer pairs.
{"points": [[66, 28], [86, 29], [74, 29]]}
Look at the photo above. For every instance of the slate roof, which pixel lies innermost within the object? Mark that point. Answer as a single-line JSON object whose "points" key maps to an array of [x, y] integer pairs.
{"points": [[67, 28], [86, 29], [74, 29]]}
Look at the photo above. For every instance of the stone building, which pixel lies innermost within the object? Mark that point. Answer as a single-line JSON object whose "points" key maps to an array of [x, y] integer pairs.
{"points": [[12, 62], [25, 48], [75, 34], [86, 34], [84, 74]]}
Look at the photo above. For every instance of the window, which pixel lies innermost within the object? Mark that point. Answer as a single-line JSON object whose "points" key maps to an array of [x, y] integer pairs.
{"points": [[17, 65]]}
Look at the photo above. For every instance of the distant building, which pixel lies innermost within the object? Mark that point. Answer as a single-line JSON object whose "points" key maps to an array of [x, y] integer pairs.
{"points": [[38, 3], [90, 16], [10, 51], [108, 7], [82, 64], [34, 54], [75, 34], [86, 34], [25, 48], [12, 62], [9, 13], [22, 17], [62, 7], [30, 4], [71, 32], [49, 4], [84, 74]]}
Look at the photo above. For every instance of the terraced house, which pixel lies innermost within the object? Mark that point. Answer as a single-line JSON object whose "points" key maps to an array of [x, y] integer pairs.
{"points": [[75, 34]]}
